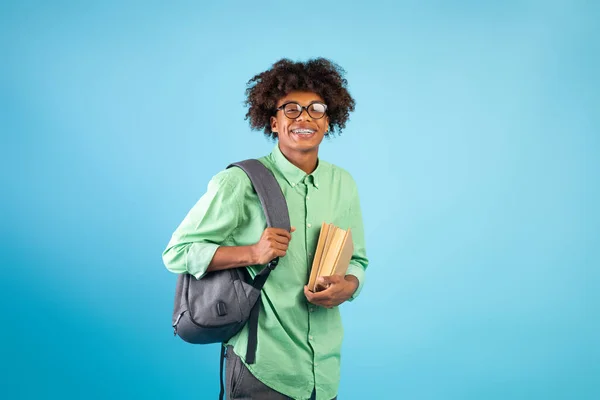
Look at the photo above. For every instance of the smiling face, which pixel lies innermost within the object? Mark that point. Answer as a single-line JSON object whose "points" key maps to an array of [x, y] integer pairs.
{"points": [[303, 133]]}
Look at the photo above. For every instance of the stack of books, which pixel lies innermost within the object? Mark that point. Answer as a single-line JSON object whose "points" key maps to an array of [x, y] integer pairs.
{"points": [[332, 256]]}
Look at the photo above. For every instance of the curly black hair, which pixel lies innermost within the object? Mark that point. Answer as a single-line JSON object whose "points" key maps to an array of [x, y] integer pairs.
{"points": [[317, 75]]}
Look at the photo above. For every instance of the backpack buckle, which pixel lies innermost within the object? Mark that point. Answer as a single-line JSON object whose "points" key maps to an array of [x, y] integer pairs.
{"points": [[273, 263]]}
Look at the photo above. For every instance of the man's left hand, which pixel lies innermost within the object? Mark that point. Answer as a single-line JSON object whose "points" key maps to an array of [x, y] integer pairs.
{"points": [[338, 290]]}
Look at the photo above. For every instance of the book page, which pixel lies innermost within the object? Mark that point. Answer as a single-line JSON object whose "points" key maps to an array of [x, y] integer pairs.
{"points": [[333, 251], [344, 256], [318, 254], [330, 233]]}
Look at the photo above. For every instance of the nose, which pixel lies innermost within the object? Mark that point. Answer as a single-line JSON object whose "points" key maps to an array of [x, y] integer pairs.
{"points": [[304, 116]]}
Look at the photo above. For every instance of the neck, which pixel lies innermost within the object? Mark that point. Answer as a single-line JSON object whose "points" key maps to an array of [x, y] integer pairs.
{"points": [[305, 160]]}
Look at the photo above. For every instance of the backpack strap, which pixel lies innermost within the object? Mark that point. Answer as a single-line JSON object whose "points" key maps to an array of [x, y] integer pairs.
{"points": [[223, 353], [269, 193], [276, 212]]}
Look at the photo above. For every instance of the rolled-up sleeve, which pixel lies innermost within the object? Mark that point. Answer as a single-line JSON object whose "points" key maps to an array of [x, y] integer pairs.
{"points": [[359, 260], [208, 224]]}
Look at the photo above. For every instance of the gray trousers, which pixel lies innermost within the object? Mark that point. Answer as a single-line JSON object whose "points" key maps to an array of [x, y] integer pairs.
{"points": [[240, 384]]}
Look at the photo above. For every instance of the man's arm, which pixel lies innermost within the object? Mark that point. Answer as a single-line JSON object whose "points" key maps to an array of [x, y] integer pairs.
{"points": [[341, 289], [359, 260], [195, 246], [273, 243], [209, 223]]}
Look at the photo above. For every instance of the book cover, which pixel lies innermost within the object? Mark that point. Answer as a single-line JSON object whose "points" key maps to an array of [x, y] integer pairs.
{"points": [[332, 255]]}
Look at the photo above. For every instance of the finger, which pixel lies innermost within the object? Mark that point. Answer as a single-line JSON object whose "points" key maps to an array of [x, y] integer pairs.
{"points": [[281, 232], [274, 253], [278, 246], [277, 254], [323, 285], [279, 239], [323, 295], [331, 279], [307, 293], [313, 297], [281, 235], [293, 229]]}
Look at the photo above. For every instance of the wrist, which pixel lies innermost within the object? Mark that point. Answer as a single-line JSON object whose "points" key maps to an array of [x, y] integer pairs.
{"points": [[351, 284], [252, 255]]}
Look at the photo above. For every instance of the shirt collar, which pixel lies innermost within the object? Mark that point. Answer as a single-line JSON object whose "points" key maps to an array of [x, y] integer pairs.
{"points": [[292, 174]]}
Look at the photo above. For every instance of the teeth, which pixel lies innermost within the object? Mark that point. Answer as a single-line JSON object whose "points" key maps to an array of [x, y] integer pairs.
{"points": [[303, 131]]}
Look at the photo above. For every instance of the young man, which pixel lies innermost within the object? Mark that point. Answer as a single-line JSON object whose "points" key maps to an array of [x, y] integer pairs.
{"points": [[299, 332]]}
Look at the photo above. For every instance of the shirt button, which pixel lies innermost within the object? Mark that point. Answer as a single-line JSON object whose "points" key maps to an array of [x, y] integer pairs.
{"points": [[307, 197], [311, 338], [316, 184], [308, 225], [311, 309], [293, 184]]}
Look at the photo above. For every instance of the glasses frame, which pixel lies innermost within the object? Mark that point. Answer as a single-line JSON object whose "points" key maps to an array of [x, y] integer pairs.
{"points": [[302, 108]]}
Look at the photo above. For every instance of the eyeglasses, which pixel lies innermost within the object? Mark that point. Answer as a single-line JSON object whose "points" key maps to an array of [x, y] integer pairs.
{"points": [[293, 110]]}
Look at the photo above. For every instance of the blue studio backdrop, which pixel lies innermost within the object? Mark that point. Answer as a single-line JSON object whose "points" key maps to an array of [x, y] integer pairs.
{"points": [[475, 146]]}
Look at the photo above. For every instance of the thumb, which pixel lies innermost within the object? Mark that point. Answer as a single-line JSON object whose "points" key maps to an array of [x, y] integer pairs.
{"points": [[326, 280], [292, 229]]}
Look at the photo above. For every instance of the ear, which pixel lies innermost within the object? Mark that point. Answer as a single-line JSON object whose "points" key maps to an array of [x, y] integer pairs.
{"points": [[274, 128]]}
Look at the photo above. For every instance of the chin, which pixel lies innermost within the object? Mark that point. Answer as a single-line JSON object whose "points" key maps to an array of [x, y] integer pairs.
{"points": [[302, 147], [308, 145]]}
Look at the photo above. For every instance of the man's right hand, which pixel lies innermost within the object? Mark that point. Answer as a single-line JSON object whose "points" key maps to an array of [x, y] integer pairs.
{"points": [[272, 244]]}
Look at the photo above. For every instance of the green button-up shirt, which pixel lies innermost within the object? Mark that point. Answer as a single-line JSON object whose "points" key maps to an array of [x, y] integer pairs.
{"points": [[298, 343]]}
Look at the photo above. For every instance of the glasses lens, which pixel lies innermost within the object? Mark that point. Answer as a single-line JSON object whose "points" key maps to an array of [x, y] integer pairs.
{"points": [[316, 110], [292, 110]]}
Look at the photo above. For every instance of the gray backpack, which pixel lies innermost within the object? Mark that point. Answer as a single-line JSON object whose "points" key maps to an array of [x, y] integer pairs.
{"points": [[217, 306]]}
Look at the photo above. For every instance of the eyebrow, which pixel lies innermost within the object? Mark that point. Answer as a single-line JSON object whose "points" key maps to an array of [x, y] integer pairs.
{"points": [[297, 102]]}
